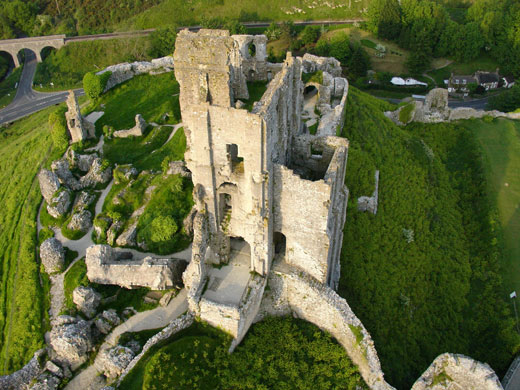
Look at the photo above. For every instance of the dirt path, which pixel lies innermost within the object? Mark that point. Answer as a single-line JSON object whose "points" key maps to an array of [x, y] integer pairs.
{"points": [[151, 319]]}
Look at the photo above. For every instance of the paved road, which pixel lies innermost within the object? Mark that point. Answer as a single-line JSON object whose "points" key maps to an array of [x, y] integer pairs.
{"points": [[27, 101]]}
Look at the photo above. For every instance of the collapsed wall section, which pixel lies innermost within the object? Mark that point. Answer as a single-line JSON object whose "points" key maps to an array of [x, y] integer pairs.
{"points": [[293, 291]]}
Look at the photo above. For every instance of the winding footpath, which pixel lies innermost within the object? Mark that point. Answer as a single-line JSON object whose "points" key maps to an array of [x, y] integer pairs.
{"points": [[151, 319]]}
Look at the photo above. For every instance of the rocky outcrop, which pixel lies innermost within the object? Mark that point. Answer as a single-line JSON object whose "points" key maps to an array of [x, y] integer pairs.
{"points": [[46, 381], [113, 361], [128, 237], [60, 203], [52, 255], [125, 71], [127, 172], [178, 168], [107, 321], [98, 173], [71, 339], [83, 200], [62, 170], [113, 231], [451, 371], [80, 161], [103, 267], [49, 184], [86, 299], [23, 377], [80, 221], [136, 131]]}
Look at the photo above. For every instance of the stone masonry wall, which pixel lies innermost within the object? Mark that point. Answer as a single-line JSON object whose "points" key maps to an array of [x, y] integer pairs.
{"points": [[292, 290]]}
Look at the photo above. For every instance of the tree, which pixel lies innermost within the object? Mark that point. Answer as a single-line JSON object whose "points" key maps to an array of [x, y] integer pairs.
{"points": [[469, 43], [384, 18], [94, 84], [339, 47], [235, 27], [447, 45], [310, 34], [163, 41], [359, 63]]}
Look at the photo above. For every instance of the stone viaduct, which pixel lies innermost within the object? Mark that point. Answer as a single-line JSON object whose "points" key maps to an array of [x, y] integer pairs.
{"points": [[36, 44]]}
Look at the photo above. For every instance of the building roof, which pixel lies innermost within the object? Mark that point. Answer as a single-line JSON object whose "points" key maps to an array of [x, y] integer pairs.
{"points": [[469, 79], [485, 78]]}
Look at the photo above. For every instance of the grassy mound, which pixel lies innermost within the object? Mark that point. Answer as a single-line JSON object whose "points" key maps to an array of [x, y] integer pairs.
{"points": [[197, 358], [423, 274]]}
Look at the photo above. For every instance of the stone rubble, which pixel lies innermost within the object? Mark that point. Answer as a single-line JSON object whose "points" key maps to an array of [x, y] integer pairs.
{"points": [[136, 131], [52, 255], [114, 360], [49, 184], [71, 340], [80, 221], [107, 321], [87, 300], [60, 203]]}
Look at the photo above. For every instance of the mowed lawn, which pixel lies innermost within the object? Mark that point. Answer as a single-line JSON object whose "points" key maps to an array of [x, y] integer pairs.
{"points": [[500, 143]]}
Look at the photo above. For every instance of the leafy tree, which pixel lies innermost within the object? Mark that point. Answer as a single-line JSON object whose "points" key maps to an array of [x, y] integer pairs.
{"points": [[94, 84], [468, 43], [310, 34], [162, 41], [507, 101], [384, 18], [359, 63], [273, 32], [235, 27], [447, 44], [339, 47]]}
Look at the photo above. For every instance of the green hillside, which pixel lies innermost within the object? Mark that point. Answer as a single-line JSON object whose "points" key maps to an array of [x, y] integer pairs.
{"points": [[423, 274]]}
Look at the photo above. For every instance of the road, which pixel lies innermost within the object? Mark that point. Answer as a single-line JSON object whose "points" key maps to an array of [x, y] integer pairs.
{"points": [[27, 101]]}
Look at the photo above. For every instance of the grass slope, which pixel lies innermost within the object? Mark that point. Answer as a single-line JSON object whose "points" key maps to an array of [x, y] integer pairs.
{"points": [[186, 13], [66, 67], [423, 274], [500, 143], [24, 147]]}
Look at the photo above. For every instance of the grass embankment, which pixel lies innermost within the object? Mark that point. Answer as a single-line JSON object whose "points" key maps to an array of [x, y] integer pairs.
{"points": [[24, 147], [190, 13], [500, 144], [7, 87], [66, 67], [197, 358], [423, 274], [150, 96]]}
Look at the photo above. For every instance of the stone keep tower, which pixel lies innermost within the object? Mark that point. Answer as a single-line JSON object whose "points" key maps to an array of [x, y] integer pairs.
{"points": [[265, 189], [79, 128]]}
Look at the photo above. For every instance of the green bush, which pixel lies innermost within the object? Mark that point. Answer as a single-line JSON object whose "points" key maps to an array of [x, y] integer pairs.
{"points": [[58, 128], [94, 84], [162, 41]]}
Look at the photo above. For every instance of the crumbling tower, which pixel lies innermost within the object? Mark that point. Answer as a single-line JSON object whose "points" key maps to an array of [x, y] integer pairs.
{"points": [[265, 189], [79, 128]]}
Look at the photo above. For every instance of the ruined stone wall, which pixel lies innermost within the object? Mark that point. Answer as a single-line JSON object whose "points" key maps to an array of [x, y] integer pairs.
{"points": [[292, 290], [454, 371], [126, 71], [104, 268], [175, 326]]}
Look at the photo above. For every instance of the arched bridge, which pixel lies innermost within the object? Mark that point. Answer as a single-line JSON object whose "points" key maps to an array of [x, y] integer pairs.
{"points": [[36, 44]]}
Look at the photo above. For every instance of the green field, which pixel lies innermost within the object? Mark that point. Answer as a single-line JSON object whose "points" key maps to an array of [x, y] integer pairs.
{"points": [[424, 273], [500, 144], [24, 147], [185, 13]]}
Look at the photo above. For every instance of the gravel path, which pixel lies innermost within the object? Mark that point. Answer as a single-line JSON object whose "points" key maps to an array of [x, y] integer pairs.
{"points": [[151, 319]]}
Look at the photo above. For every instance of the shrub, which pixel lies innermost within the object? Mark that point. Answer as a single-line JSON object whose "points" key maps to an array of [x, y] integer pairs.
{"points": [[94, 84], [310, 34], [162, 41], [58, 128]]}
